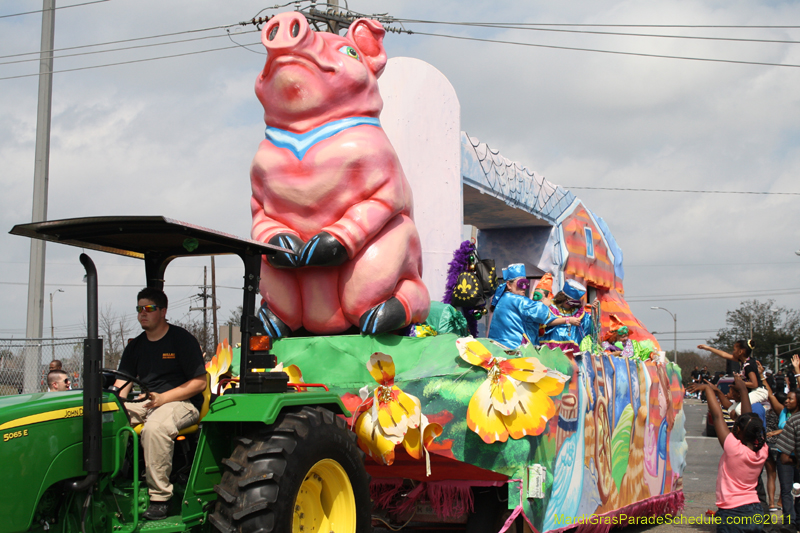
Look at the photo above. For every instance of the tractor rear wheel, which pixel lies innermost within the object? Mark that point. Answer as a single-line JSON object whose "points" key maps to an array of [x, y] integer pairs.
{"points": [[302, 473]]}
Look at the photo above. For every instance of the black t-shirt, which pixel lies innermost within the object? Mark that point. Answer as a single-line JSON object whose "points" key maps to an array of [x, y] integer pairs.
{"points": [[166, 363], [696, 375], [750, 366], [731, 367]]}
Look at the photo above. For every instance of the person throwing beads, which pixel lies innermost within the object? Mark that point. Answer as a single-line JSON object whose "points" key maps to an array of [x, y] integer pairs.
{"points": [[515, 314]]}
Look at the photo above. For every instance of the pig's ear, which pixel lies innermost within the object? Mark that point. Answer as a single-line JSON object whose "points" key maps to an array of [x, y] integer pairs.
{"points": [[368, 36]]}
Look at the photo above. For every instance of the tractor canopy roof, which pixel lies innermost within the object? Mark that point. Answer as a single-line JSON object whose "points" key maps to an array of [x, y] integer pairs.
{"points": [[139, 236]]}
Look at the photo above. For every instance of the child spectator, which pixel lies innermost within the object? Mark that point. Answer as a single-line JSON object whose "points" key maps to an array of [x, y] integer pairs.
{"points": [[788, 440], [742, 353], [777, 402], [732, 401], [743, 456]]}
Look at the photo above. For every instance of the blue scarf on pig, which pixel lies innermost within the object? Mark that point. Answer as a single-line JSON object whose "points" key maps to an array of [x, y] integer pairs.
{"points": [[300, 143]]}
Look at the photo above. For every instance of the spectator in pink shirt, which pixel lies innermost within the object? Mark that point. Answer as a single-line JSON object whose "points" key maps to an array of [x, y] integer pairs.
{"points": [[743, 456]]}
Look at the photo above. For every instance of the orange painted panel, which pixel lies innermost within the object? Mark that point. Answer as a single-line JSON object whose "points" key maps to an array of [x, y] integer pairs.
{"points": [[612, 302], [597, 271]]}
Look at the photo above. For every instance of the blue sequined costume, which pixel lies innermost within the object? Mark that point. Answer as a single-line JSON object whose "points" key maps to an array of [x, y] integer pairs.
{"points": [[515, 315], [565, 336]]}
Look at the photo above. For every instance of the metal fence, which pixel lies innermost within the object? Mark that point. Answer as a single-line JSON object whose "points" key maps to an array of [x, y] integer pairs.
{"points": [[24, 363]]}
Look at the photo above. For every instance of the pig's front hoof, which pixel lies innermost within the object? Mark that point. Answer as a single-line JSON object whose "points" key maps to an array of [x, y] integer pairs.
{"points": [[275, 326], [323, 250], [283, 259], [388, 316]]}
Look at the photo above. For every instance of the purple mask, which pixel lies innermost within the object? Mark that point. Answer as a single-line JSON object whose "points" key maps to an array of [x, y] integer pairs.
{"points": [[523, 284]]}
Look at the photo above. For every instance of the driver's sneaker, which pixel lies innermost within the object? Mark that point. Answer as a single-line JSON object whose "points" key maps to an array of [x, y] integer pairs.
{"points": [[156, 511]]}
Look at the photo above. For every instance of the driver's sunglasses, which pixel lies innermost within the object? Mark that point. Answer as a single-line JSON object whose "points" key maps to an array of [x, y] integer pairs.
{"points": [[148, 308], [66, 381], [523, 284]]}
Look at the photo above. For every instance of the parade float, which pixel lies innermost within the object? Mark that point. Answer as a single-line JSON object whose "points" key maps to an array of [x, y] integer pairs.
{"points": [[453, 427], [555, 437]]}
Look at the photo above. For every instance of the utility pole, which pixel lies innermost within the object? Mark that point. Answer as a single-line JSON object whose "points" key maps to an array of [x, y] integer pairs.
{"points": [[205, 308], [333, 25], [53, 329], [214, 302], [34, 320], [204, 295]]}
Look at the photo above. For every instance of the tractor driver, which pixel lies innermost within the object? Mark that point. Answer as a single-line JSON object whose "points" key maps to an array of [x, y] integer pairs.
{"points": [[167, 359]]}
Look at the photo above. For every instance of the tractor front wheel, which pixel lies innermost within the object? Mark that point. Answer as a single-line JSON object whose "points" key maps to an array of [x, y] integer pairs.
{"points": [[302, 473]]}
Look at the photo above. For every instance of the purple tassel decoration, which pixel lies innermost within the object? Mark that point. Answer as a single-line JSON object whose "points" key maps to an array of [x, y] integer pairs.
{"points": [[459, 264]]}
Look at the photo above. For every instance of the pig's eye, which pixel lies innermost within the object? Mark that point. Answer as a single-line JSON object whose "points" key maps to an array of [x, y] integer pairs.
{"points": [[349, 51]]}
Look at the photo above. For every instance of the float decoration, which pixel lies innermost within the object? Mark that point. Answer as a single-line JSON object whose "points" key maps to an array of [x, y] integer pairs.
{"points": [[586, 436], [392, 417], [328, 185], [515, 399], [294, 373], [220, 363]]}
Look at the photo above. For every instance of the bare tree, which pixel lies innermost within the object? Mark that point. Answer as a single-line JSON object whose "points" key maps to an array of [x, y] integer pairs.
{"points": [[115, 331], [235, 317]]}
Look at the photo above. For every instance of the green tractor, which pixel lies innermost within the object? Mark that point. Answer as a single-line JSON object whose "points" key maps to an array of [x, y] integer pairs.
{"points": [[263, 458]]}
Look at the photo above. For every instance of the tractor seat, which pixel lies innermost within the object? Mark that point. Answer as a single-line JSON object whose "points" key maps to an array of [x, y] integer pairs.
{"points": [[188, 430]]}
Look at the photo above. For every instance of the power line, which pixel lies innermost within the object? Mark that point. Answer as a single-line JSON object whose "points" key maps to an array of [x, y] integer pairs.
{"points": [[126, 62], [714, 264], [122, 49], [120, 41], [683, 332], [642, 300], [563, 24], [534, 27], [60, 7], [613, 52], [688, 190], [755, 293], [115, 285]]}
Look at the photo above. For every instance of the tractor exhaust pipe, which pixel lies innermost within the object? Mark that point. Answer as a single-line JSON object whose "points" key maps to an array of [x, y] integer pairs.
{"points": [[92, 386]]}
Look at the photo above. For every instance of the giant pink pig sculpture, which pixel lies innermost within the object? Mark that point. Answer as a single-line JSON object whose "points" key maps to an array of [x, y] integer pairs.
{"points": [[327, 184]]}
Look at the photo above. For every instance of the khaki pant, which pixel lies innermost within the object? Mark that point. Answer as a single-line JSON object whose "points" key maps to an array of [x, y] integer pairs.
{"points": [[161, 426]]}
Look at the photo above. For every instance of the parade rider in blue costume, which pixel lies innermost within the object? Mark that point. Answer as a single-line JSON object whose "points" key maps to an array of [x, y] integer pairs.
{"points": [[515, 314], [569, 304]]}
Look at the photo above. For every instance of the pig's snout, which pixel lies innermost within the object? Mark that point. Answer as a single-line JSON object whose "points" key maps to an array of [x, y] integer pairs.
{"points": [[285, 32]]}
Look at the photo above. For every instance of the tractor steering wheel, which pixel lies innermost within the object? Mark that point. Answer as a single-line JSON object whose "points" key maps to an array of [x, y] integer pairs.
{"points": [[129, 379]]}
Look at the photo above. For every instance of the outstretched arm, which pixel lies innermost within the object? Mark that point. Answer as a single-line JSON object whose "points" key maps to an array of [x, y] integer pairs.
{"points": [[715, 351], [721, 398], [773, 401], [796, 366], [743, 392], [715, 411]]}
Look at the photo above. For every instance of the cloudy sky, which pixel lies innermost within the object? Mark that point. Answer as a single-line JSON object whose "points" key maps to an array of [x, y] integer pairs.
{"points": [[175, 136]]}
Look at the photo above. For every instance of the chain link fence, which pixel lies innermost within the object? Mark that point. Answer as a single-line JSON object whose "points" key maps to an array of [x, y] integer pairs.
{"points": [[24, 363]]}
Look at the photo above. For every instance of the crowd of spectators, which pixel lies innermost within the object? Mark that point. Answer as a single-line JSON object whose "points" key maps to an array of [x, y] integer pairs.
{"points": [[762, 433]]}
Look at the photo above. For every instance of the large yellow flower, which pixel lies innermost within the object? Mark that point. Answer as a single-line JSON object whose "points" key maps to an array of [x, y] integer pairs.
{"points": [[515, 400], [393, 417]]}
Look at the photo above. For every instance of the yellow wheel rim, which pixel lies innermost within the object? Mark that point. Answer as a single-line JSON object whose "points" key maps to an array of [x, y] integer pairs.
{"points": [[325, 502]]}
